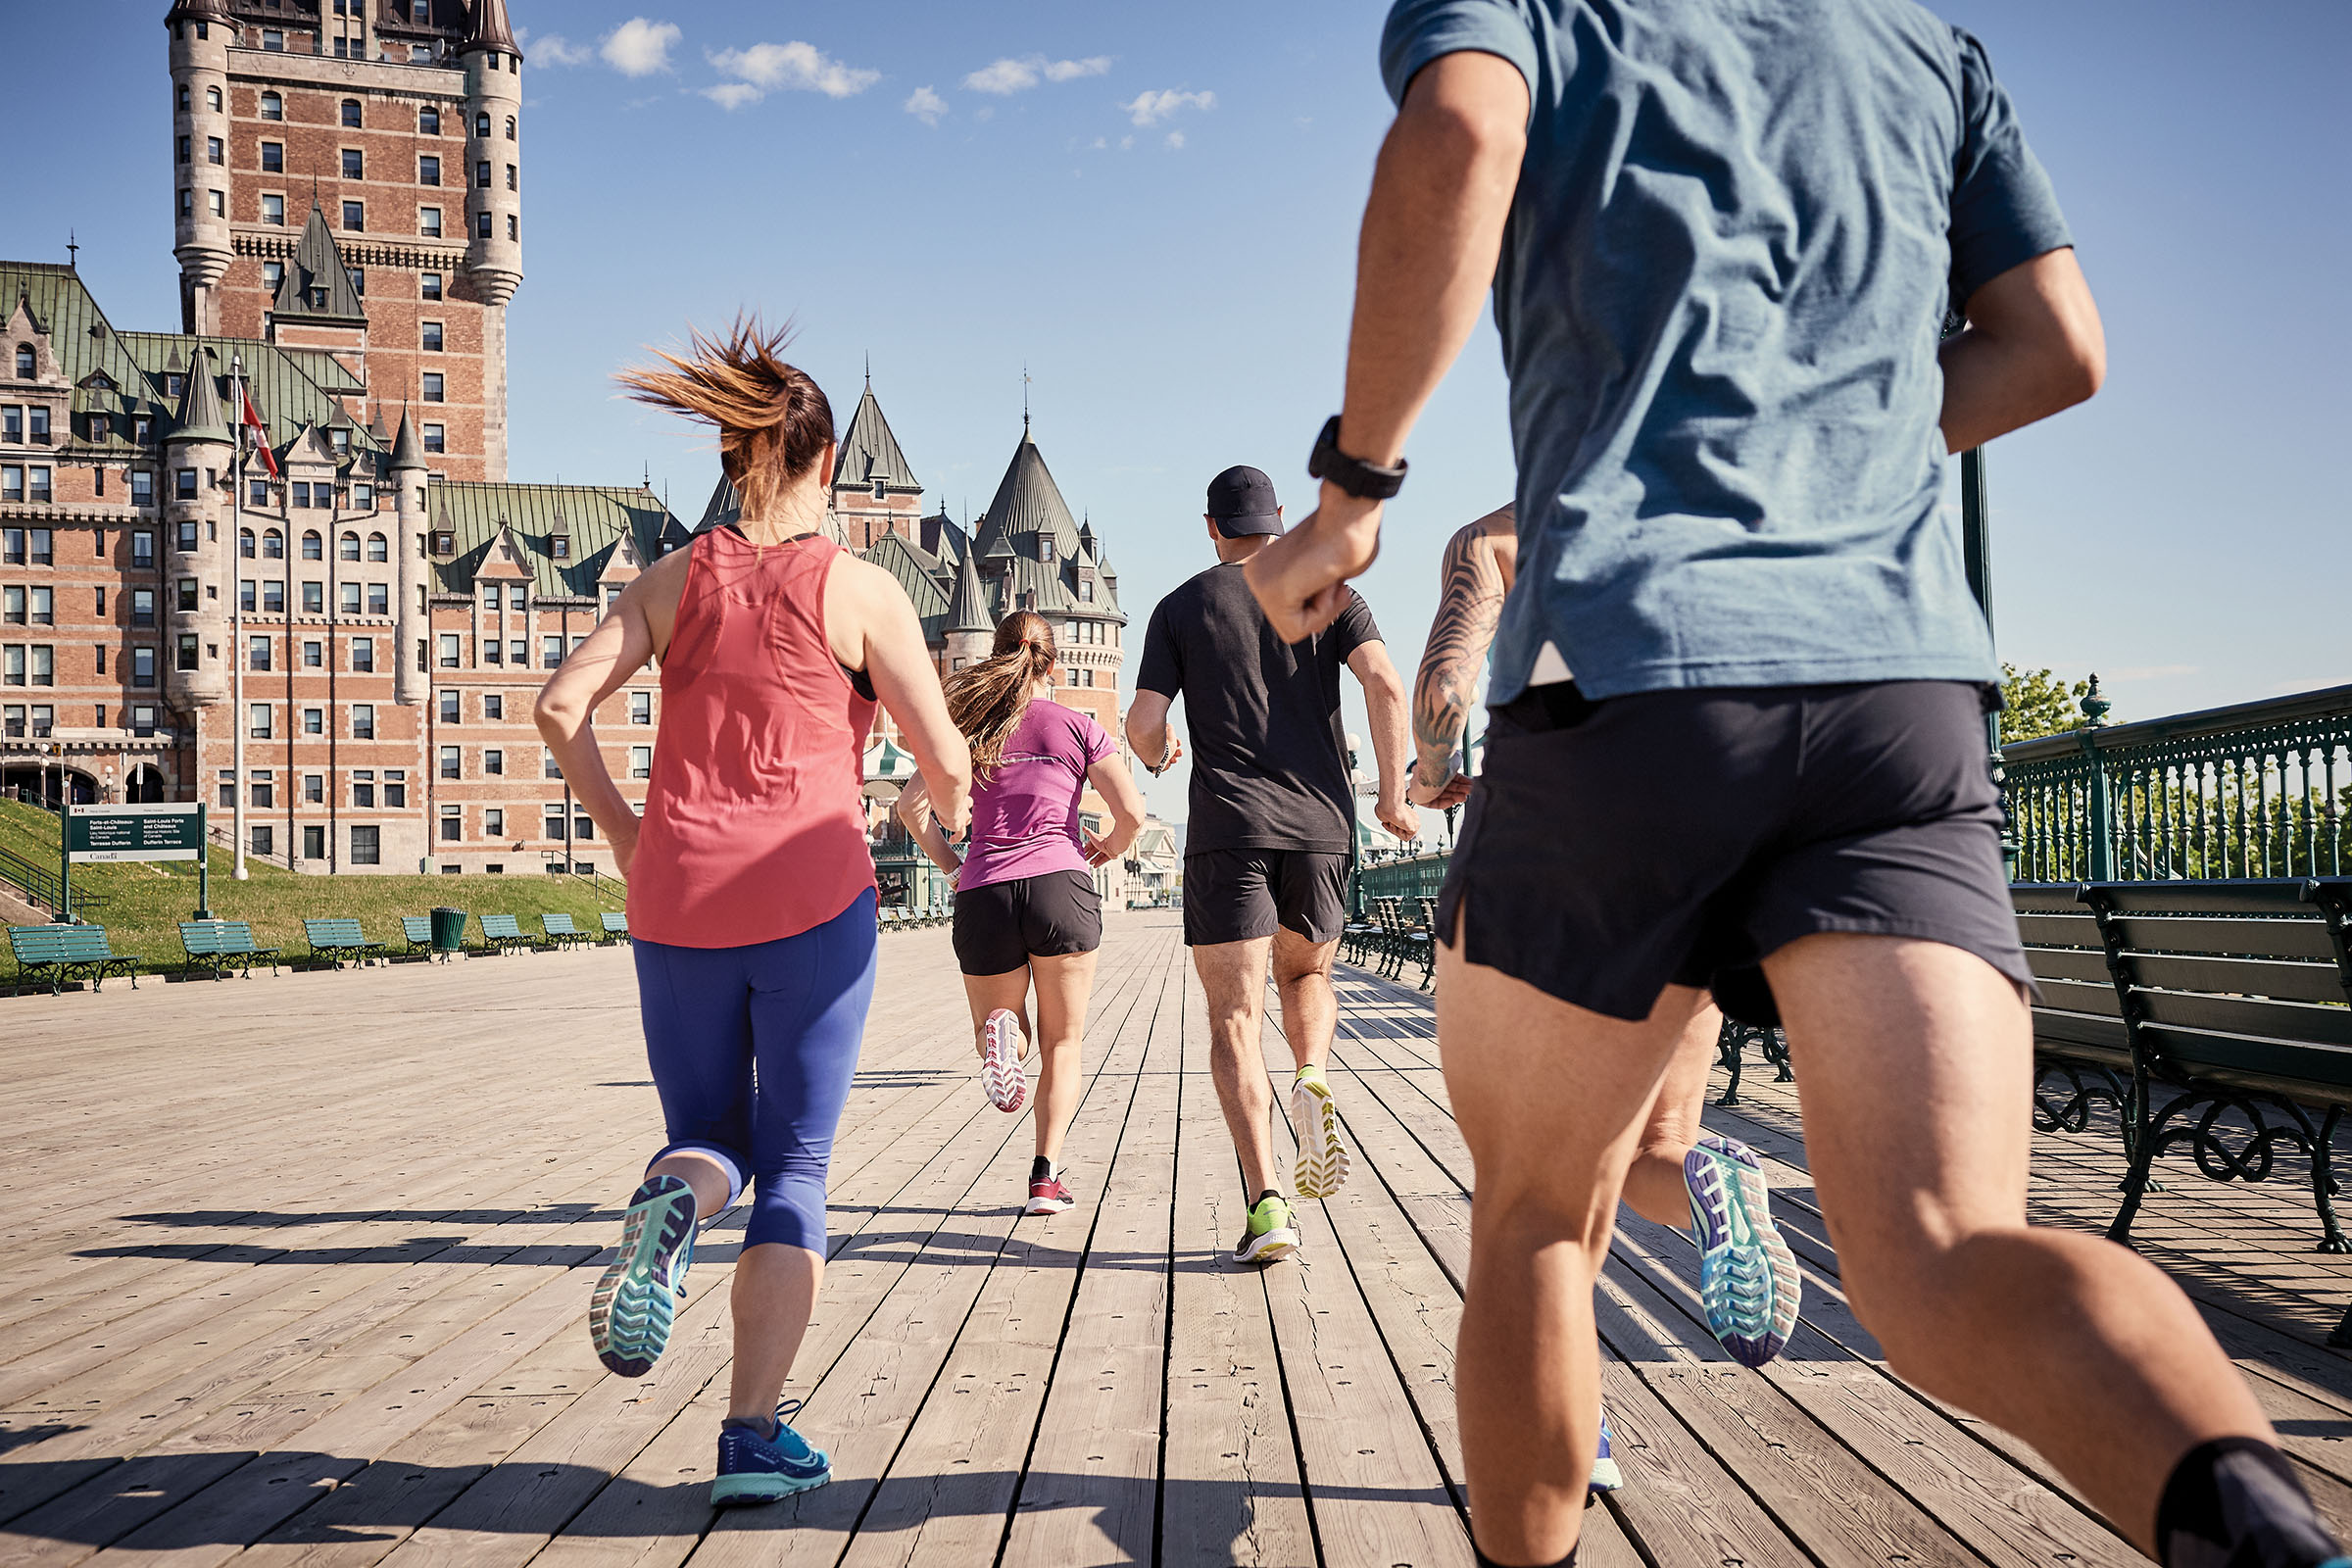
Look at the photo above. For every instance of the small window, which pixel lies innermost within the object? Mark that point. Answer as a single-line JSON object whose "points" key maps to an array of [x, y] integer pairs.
{"points": [[359, 280], [493, 827], [187, 657], [640, 762], [453, 818], [274, 40], [444, 542], [641, 707], [514, 227], [355, 167], [214, 150], [449, 661], [511, 185], [432, 339], [273, 545], [510, 127], [184, 487], [429, 225], [273, 161], [379, 549], [347, 548], [314, 656], [366, 844], [212, 99], [314, 838], [428, 171], [450, 764], [183, 98], [363, 721], [349, 597], [273, 106], [429, 122], [355, 216], [519, 596], [481, 126], [434, 387], [362, 655], [350, 112], [216, 203], [484, 226], [551, 653], [379, 598], [494, 706], [265, 838], [188, 596], [363, 493], [430, 285], [494, 763], [559, 546], [314, 548], [314, 598], [187, 203], [186, 149], [142, 494], [258, 721], [245, 546], [434, 438]]}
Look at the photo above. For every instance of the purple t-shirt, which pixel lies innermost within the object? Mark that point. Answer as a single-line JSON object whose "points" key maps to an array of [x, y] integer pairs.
{"points": [[1025, 813]]}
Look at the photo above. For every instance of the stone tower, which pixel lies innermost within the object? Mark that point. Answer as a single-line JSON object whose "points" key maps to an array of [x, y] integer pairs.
{"points": [[969, 629], [400, 124], [198, 450]]}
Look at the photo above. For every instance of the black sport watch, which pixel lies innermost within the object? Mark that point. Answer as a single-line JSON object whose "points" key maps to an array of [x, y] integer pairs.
{"points": [[1366, 481]]}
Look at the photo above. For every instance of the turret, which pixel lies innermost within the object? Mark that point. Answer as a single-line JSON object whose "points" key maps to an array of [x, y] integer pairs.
{"points": [[493, 148], [970, 630], [198, 445], [410, 523], [201, 33]]}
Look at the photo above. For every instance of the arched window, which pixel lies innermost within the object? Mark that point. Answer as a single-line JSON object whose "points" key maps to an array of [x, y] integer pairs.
{"points": [[377, 550], [273, 545], [24, 362], [429, 121], [212, 99], [273, 106], [481, 126], [314, 548], [350, 112], [510, 127], [347, 548], [245, 543]]}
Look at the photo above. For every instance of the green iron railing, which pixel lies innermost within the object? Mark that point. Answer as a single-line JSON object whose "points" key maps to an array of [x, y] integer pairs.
{"points": [[1416, 876], [2255, 789]]}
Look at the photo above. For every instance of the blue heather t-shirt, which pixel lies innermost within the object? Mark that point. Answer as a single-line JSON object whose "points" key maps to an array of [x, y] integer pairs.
{"points": [[1721, 290]]}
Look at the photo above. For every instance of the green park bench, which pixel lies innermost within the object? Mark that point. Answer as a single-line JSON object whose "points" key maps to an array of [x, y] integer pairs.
{"points": [[2211, 1015], [335, 940], [616, 926], [58, 954], [418, 931], [561, 932], [503, 936], [219, 946]]}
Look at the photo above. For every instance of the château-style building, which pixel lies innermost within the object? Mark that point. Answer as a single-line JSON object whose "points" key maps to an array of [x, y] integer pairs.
{"points": [[346, 646]]}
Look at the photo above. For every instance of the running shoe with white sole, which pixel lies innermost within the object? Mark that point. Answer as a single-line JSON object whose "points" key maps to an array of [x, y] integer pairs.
{"points": [[1272, 1232], [1607, 1477], [636, 1297], [1049, 1195], [757, 1469], [1323, 1159], [1747, 1277], [1001, 1049]]}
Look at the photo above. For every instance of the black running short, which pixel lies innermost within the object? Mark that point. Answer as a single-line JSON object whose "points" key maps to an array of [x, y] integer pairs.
{"points": [[1611, 848], [1002, 926], [1235, 895]]}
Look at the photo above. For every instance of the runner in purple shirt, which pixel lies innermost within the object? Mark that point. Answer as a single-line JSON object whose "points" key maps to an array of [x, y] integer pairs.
{"points": [[1026, 905]]}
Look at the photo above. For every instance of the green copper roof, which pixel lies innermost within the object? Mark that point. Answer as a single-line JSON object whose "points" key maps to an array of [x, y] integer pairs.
{"points": [[968, 609], [593, 517], [407, 450], [869, 452], [284, 395], [907, 563], [200, 418], [316, 286]]}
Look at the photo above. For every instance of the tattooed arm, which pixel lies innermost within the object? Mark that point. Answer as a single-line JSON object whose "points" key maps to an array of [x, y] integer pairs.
{"points": [[1480, 561]]}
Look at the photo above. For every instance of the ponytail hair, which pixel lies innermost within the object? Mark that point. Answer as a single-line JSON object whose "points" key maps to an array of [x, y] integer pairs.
{"points": [[773, 421], [985, 700]]}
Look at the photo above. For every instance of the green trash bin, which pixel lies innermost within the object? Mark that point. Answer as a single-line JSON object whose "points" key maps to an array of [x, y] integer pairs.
{"points": [[449, 930]]}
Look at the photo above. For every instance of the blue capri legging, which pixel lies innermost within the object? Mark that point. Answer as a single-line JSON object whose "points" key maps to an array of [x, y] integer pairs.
{"points": [[753, 1050]]}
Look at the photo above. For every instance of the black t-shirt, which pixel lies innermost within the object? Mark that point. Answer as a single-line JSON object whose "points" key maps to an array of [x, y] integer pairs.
{"points": [[1270, 756]]}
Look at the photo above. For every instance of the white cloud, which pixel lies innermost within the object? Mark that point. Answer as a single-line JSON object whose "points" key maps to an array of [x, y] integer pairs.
{"points": [[795, 66], [1010, 75], [1150, 108], [925, 105], [1176, 139], [1072, 69], [638, 47], [733, 95], [557, 50]]}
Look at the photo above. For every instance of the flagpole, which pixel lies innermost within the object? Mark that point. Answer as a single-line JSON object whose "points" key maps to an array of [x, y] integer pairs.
{"points": [[236, 620]]}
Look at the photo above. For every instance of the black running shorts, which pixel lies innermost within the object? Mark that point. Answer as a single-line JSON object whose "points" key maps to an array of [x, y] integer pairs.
{"points": [[1611, 848], [1002, 926], [1235, 895]]}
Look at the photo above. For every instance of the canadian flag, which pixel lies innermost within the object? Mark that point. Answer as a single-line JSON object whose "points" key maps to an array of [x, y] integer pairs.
{"points": [[252, 421]]}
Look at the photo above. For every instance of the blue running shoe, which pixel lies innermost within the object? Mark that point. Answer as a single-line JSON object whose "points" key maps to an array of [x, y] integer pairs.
{"points": [[1607, 1477], [637, 1297], [1746, 1275], [757, 1469]]}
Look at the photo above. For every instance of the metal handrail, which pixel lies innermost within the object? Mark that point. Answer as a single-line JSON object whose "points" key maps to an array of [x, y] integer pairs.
{"points": [[2253, 789], [40, 887]]}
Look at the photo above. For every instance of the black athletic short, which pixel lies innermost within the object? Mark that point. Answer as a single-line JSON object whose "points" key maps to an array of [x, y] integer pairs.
{"points": [[1002, 926], [1613, 846], [1235, 895]]}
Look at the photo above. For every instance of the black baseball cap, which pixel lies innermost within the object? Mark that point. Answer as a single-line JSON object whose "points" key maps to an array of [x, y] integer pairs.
{"points": [[1241, 500]]}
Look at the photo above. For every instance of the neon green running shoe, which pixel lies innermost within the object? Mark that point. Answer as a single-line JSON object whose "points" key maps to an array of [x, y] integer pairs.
{"points": [[1272, 1232]]}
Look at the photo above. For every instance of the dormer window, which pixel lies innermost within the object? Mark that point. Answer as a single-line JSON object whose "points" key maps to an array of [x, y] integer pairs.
{"points": [[1045, 547], [879, 492], [26, 364], [1086, 590], [444, 542], [559, 546]]}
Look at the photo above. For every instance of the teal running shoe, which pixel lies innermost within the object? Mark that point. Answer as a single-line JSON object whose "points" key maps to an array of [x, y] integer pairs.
{"points": [[1747, 1277], [637, 1297], [757, 1469]]}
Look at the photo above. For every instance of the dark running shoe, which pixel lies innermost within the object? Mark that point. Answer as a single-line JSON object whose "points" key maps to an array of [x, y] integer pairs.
{"points": [[757, 1469]]}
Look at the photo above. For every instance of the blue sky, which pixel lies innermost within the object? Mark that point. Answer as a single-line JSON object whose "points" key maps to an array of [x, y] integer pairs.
{"points": [[1154, 208]]}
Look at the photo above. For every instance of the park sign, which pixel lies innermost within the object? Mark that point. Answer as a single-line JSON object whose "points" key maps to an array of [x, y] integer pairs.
{"points": [[95, 833]]}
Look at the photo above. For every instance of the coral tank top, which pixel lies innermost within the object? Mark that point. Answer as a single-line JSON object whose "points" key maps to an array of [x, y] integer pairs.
{"points": [[754, 826]]}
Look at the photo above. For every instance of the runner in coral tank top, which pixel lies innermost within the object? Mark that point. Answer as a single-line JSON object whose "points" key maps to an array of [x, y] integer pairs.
{"points": [[751, 889]]}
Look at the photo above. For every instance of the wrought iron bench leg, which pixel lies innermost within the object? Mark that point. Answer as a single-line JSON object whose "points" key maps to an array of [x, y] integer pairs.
{"points": [[1727, 1056], [2323, 1185], [2141, 1140]]}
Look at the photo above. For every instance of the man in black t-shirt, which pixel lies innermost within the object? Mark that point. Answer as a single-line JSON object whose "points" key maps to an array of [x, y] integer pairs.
{"points": [[1272, 834]]}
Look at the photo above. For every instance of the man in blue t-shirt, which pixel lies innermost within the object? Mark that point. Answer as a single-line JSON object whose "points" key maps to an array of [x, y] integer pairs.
{"points": [[1737, 740]]}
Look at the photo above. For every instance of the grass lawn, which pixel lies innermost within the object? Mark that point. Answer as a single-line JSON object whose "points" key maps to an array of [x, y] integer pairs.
{"points": [[146, 901]]}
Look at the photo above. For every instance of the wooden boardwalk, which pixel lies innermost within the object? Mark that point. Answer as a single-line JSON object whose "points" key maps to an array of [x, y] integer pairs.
{"points": [[296, 1273]]}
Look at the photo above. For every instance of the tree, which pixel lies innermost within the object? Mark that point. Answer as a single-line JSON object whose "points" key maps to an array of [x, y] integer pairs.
{"points": [[2035, 702]]}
